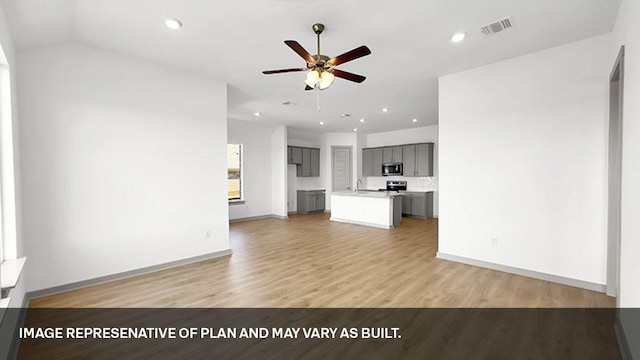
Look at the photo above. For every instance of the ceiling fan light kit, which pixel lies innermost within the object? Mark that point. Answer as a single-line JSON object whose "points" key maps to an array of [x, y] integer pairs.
{"points": [[321, 71], [320, 79]]}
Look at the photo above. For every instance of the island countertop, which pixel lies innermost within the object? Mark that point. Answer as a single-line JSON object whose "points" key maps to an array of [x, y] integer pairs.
{"points": [[368, 193], [379, 209]]}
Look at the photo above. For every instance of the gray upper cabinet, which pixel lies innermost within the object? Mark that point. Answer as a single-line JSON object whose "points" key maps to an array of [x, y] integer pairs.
{"points": [[315, 162], [387, 155], [392, 154], [376, 162], [294, 155], [409, 160], [306, 159], [305, 169], [424, 159], [367, 160], [396, 152], [417, 159], [372, 162]]}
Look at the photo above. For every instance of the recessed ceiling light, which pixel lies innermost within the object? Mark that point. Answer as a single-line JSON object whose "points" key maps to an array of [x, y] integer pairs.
{"points": [[321, 122], [355, 129], [385, 110], [257, 114], [458, 37], [173, 24], [361, 120], [415, 120]]}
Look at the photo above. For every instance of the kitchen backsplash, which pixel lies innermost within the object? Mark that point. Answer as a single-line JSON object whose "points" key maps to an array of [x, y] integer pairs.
{"points": [[427, 183]]}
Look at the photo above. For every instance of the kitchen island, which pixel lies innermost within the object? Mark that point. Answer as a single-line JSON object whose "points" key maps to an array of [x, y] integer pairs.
{"points": [[369, 208]]}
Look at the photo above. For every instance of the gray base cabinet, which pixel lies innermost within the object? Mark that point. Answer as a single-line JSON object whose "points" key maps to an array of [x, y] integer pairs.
{"points": [[417, 204], [397, 210], [311, 201]]}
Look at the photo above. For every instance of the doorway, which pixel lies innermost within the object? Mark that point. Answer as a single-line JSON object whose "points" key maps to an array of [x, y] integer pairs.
{"points": [[616, 96], [340, 168]]}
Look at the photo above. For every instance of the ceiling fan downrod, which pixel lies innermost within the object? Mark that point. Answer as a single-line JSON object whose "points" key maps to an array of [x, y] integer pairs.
{"points": [[318, 29]]}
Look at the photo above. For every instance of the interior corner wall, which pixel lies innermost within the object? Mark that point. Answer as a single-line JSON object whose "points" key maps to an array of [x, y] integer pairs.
{"points": [[256, 167], [121, 164], [627, 33], [523, 160], [279, 172]]}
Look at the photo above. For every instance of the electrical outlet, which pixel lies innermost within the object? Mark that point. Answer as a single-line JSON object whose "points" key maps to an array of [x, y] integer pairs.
{"points": [[494, 241], [207, 234]]}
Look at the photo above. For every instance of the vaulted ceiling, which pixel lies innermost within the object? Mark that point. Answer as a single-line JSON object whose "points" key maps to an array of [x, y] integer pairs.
{"points": [[234, 40]]}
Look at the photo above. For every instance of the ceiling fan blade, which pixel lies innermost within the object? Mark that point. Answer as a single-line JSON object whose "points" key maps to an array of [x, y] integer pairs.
{"points": [[307, 88], [349, 76], [295, 46], [350, 55], [267, 72]]}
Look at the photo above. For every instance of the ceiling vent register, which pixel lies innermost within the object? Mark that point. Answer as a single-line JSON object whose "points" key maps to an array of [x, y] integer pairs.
{"points": [[497, 26]]}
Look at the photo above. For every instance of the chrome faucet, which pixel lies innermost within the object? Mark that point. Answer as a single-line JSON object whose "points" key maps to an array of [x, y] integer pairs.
{"points": [[358, 183]]}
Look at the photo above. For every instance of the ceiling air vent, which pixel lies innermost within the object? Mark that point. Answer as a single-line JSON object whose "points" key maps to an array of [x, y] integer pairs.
{"points": [[497, 26]]}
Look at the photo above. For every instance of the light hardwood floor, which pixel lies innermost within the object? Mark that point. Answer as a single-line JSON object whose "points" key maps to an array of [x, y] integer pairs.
{"points": [[307, 261]]}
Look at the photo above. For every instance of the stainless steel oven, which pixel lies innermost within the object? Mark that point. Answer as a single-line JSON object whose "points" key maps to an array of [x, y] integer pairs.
{"points": [[396, 185]]}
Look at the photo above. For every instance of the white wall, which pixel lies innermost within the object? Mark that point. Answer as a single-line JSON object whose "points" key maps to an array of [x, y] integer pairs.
{"points": [[279, 172], [256, 167], [123, 164], [407, 136], [523, 146], [627, 33]]}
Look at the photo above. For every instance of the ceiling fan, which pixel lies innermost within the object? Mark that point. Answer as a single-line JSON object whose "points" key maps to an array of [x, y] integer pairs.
{"points": [[321, 71]]}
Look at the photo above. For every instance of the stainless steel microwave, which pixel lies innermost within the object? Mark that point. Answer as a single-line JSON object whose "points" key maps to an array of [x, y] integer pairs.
{"points": [[392, 169]]}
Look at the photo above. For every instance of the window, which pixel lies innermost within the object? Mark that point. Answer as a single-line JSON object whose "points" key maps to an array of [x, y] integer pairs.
{"points": [[234, 171], [10, 265], [5, 139]]}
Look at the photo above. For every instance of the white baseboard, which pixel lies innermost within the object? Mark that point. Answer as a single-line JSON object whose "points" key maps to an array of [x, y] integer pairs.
{"points": [[623, 344], [123, 275], [270, 216], [523, 272]]}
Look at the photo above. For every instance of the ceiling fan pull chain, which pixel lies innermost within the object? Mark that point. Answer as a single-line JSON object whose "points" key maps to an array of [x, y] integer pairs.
{"points": [[318, 101]]}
